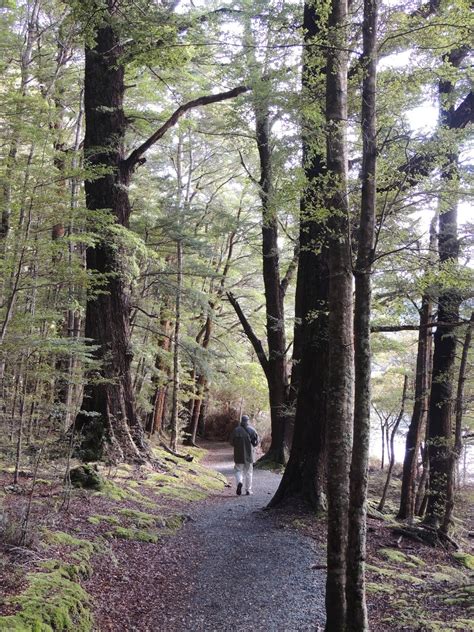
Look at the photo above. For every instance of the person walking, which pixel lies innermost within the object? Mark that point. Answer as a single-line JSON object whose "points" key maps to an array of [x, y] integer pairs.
{"points": [[244, 439]]}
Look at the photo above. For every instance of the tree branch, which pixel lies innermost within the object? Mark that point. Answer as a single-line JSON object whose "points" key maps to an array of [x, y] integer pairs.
{"points": [[421, 164], [377, 329], [130, 162], [285, 282], [242, 162], [463, 114], [249, 332]]}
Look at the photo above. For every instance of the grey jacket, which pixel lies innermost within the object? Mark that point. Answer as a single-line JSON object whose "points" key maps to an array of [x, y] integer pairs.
{"points": [[244, 451]]}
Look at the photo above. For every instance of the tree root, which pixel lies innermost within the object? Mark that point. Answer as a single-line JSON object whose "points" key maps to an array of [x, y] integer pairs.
{"points": [[426, 535], [186, 457]]}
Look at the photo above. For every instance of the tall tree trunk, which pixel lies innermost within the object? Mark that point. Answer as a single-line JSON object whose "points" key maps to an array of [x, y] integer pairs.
{"points": [[457, 448], [393, 434], [420, 408], [108, 410], [277, 369], [418, 419], [176, 349], [340, 361], [304, 474], [274, 364], [444, 354], [109, 404], [156, 417], [356, 552], [382, 432]]}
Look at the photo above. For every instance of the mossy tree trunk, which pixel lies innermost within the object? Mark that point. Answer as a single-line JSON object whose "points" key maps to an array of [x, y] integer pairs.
{"points": [[277, 376]]}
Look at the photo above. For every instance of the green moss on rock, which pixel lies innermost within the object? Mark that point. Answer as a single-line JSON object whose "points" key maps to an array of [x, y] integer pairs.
{"points": [[87, 477], [444, 573], [376, 587], [183, 493], [465, 559], [416, 560], [175, 522], [74, 572], [394, 573], [80, 549]]}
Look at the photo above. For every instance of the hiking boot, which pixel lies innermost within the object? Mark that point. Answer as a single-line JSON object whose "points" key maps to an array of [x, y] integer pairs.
{"points": [[239, 489]]}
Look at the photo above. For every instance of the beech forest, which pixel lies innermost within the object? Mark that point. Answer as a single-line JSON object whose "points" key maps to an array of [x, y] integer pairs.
{"points": [[236, 313]]}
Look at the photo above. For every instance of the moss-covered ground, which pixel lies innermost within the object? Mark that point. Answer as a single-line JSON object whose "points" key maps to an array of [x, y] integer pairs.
{"points": [[83, 543], [414, 586], [411, 586], [70, 536]]}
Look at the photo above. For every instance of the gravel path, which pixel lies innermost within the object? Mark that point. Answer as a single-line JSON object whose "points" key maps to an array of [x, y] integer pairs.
{"points": [[247, 572]]}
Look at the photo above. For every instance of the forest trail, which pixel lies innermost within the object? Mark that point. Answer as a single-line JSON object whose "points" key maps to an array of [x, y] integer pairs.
{"points": [[243, 569]]}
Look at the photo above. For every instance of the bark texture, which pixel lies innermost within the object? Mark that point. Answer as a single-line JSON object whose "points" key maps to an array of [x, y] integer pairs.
{"points": [[277, 376], [440, 414], [304, 475], [418, 419], [340, 361], [457, 448], [108, 409], [357, 621]]}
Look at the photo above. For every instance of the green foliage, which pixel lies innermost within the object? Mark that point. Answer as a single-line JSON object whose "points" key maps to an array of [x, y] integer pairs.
{"points": [[86, 476]]}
